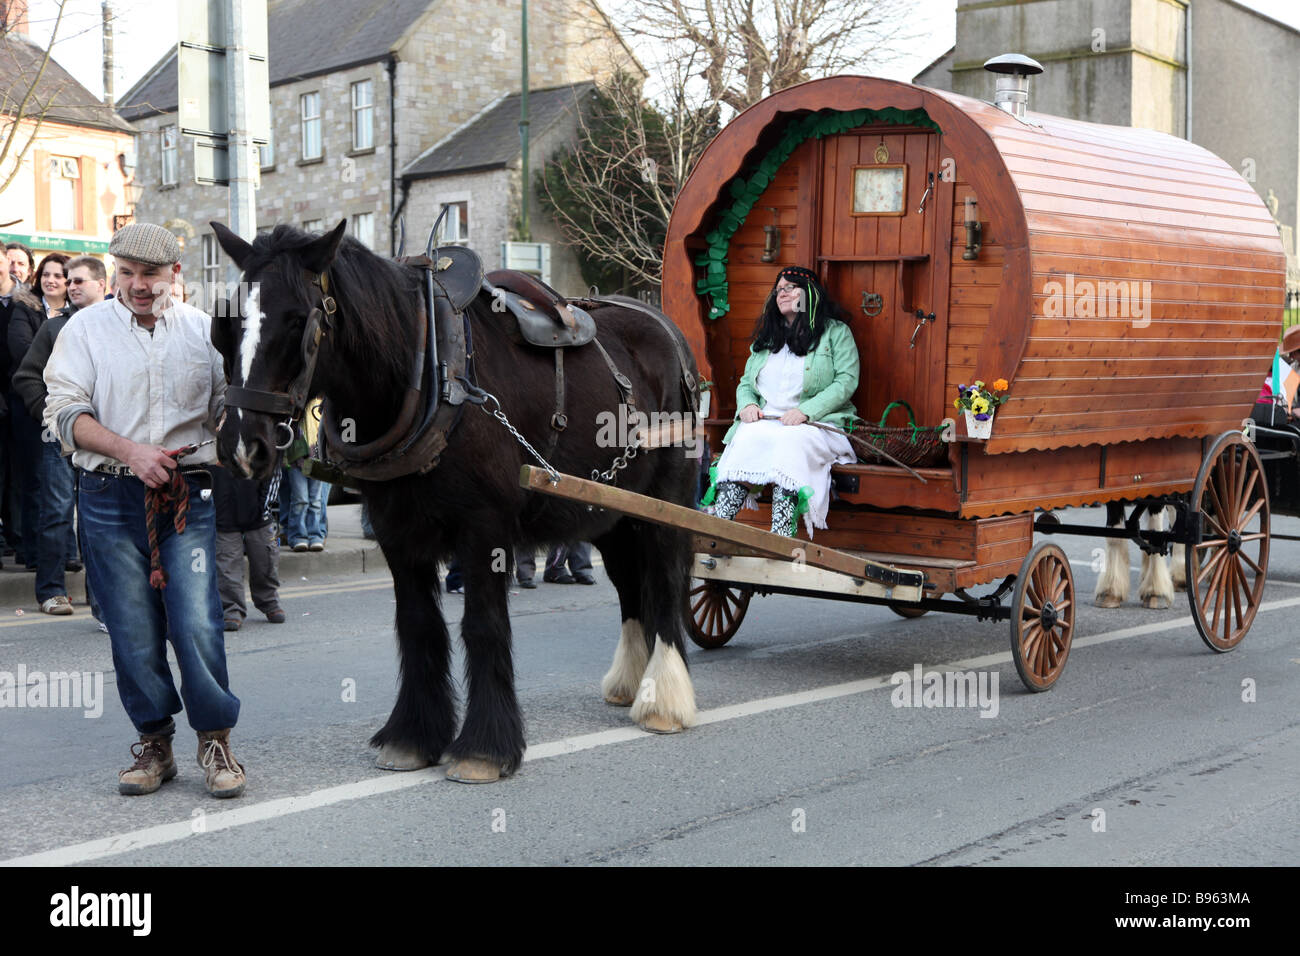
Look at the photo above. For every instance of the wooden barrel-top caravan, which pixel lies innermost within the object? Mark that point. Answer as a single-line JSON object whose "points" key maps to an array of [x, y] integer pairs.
{"points": [[1129, 286]]}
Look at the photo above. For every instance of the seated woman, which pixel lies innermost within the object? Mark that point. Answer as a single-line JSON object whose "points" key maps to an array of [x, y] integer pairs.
{"points": [[803, 367], [1269, 406]]}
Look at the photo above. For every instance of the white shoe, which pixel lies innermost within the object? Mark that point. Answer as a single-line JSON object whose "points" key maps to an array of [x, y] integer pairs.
{"points": [[59, 604]]}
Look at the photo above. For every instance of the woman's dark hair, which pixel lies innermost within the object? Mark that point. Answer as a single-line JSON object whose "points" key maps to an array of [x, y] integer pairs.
{"points": [[58, 257], [772, 331]]}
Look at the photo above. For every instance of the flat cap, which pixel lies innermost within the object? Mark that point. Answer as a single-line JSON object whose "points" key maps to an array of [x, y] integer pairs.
{"points": [[145, 242]]}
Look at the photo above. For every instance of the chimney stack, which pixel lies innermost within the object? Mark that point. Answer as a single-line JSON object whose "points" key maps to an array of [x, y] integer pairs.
{"points": [[1014, 71]]}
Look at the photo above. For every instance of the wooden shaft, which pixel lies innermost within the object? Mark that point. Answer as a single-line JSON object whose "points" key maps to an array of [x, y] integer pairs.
{"points": [[688, 519]]}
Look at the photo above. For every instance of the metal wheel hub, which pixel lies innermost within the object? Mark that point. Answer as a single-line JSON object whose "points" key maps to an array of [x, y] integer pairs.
{"points": [[1234, 541], [1048, 616]]}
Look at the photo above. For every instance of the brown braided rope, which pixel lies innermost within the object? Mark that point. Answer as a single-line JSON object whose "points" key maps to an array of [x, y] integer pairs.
{"points": [[173, 496]]}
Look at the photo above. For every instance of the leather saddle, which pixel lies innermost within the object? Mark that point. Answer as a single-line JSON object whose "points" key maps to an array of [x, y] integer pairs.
{"points": [[543, 317]]}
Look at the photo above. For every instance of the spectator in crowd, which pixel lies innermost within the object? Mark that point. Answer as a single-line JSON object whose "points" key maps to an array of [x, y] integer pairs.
{"points": [[51, 284], [578, 556], [21, 261], [308, 523], [127, 380], [56, 548], [245, 527], [17, 306]]}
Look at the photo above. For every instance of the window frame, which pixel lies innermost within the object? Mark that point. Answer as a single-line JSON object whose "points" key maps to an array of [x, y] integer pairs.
{"points": [[356, 232], [462, 222], [358, 111], [172, 150], [303, 122]]}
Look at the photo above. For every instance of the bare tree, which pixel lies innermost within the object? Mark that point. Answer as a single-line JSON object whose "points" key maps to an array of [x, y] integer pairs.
{"points": [[25, 95], [612, 193], [753, 48]]}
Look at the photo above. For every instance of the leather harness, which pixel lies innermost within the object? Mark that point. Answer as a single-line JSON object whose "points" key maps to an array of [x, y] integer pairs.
{"points": [[441, 377]]}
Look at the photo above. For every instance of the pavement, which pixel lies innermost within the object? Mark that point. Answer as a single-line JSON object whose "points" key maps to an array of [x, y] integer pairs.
{"points": [[346, 552]]}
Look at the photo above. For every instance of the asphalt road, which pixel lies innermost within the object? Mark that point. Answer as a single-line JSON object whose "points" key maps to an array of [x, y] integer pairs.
{"points": [[1150, 750]]}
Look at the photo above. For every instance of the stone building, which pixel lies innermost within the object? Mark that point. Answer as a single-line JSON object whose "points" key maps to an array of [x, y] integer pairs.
{"points": [[65, 188], [1213, 71], [360, 95]]}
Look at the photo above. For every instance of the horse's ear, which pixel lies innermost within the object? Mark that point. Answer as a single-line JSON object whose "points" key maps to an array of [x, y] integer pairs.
{"points": [[319, 253], [224, 323], [236, 248]]}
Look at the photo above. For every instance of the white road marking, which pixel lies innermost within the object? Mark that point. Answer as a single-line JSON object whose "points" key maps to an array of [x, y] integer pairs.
{"points": [[91, 850]]}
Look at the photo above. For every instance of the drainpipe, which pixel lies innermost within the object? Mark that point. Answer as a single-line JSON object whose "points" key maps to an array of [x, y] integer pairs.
{"points": [[1187, 56], [392, 156]]}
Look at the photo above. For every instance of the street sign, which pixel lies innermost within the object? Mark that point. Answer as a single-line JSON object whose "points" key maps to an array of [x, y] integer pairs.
{"points": [[203, 80]]}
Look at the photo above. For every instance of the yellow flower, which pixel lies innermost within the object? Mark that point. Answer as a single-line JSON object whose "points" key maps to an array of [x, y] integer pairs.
{"points": [[1000, 385], [979, 405]]}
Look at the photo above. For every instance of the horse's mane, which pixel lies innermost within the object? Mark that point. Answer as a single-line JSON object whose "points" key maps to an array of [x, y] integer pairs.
{"points": [[378, 299]]}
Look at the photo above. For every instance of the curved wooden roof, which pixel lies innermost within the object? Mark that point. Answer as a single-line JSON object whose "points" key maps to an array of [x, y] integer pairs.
{"points": [[1072, 204]]}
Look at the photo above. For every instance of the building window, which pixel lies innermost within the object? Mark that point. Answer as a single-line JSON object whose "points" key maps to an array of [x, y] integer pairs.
{"points": [[169, 141], [455, 228], [65, 193], [211, 267], [309, 111], [313, 225], [363, 115], [363, 229], [266, 154]]}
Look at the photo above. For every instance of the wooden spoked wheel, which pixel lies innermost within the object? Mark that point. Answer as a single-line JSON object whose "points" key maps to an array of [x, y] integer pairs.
{"points": [[1226, 571], [907, 610], [716, 611], [1042, 616]]}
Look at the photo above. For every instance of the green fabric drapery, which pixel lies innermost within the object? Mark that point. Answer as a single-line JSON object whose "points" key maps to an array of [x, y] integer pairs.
{"points": [[746, 188]]}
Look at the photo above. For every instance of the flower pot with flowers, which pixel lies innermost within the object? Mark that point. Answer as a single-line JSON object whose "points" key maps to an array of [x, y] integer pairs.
{"points": [[979, 401]]}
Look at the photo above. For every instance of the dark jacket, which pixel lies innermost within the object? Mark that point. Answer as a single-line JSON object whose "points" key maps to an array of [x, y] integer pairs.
{"points": [[243, 504], [29, 380], [23, 310], [22, 330]]}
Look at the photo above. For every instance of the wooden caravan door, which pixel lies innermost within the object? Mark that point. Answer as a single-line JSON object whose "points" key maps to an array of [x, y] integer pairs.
{"points": [[884, 260]]}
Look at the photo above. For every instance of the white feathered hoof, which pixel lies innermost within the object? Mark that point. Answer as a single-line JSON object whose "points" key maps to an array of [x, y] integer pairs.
{"points": [[1178, 567], [1112, 583], [1156, 587], [665, 698], [620, 684]]}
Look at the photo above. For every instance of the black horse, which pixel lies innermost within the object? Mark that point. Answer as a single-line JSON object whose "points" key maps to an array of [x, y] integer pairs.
{"points": [[470, 505]]}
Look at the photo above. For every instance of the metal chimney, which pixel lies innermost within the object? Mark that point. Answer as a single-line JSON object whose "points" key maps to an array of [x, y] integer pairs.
{"points": [[1014, 71]]}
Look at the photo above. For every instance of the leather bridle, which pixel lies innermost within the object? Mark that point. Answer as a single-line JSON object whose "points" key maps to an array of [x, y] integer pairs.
{"points": [[293, 402]]}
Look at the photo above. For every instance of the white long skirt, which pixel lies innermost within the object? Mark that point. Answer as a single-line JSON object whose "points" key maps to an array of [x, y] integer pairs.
{"points": [[791, 456]]}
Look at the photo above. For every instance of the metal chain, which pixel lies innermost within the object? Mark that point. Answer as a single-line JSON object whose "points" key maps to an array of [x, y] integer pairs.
{"points": [[619, 463], [500, 416]]}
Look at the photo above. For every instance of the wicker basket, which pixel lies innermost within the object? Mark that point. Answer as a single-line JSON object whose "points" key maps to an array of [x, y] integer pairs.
{"points": [[913, 445]]}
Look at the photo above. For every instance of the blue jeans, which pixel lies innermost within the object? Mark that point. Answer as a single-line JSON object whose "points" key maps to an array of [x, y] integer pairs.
{"points": [[56, 543], [141, 619], [307, 521]]}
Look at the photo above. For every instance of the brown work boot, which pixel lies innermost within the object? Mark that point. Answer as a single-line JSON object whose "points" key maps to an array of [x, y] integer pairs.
{"points": [[154, 764], [225, 777]]}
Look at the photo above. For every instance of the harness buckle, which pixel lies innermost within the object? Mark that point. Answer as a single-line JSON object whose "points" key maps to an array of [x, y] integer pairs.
{"points": [[287, 425]]}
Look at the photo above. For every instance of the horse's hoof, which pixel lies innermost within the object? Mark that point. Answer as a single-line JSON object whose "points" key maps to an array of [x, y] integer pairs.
{"points": [[1109, 600], [395, 757], [659, 724], [1157, 603], [474, 770], [620, 700]]}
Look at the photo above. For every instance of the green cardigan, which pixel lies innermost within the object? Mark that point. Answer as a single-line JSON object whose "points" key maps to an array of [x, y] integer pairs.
{"points": [[830, 377]]}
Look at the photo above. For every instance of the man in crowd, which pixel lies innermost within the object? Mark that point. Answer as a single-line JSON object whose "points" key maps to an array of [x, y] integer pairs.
{"points": [[129, 379], [21, 262], [56, 543], [17, 304]]}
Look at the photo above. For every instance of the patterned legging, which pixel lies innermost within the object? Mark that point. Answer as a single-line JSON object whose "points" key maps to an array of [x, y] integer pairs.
{"points": [[730, 498]]}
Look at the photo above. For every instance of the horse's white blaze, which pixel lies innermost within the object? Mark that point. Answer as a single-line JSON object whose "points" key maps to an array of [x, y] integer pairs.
{"points": [[666, 688], [1112, 583], [630, 659], [241, 457], [1155, 586], [252, 333]]}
